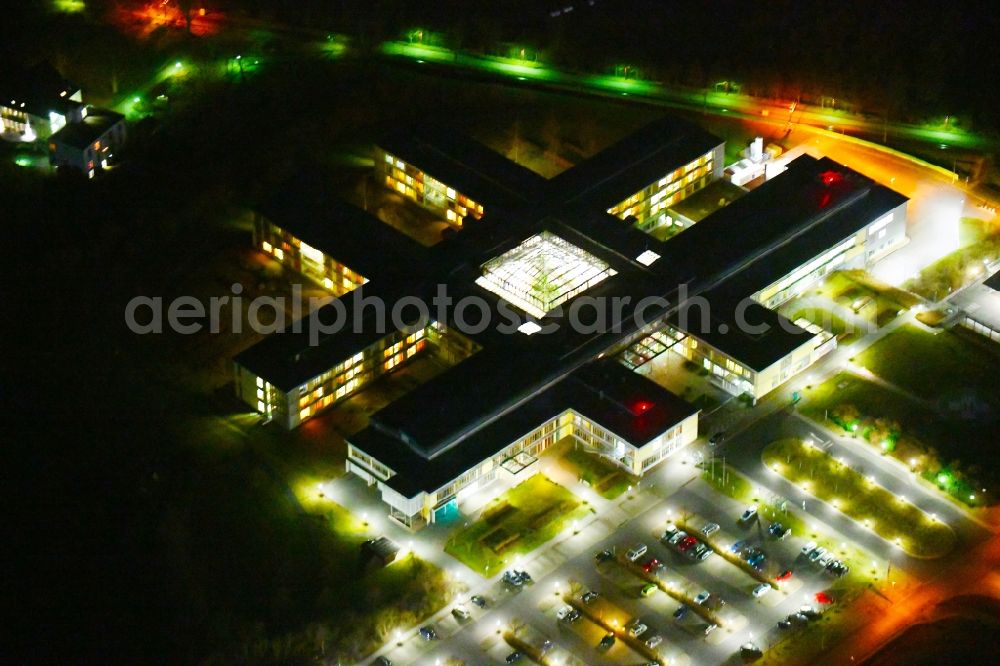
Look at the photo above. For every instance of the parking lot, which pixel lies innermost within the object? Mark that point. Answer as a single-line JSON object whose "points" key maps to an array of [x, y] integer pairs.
{"points": [[690, 607]]}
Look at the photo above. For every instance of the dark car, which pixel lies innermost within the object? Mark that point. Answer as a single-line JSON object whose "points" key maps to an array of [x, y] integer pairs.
{"points": [[605, 555], [681, 612], [478, 600], [513, 657], [717, 438], [428, 633], [382, 661], [607, 641]]}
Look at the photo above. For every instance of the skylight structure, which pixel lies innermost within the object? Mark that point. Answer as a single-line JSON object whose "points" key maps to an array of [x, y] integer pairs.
{"points": [[542, 273]]}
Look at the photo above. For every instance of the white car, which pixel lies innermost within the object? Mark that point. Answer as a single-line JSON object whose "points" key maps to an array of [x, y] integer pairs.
{"points": [[637, 551], [761, 590], [701, 598], [710, 529], [809, 547], [710, 628], [636, 628], [564, 612], [749, 514], [654, 640]]}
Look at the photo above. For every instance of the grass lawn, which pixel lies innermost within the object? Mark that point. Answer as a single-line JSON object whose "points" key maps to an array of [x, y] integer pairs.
{"points": [[935, 366], [871, 299], [515, 523], [607, 479], [927, 441], [852, 494]]}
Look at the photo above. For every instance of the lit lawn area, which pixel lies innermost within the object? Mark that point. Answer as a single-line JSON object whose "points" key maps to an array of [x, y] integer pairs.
{"points": [[855, 496], [962, 266], [607, 479], [514, 524], [923, 438], [944, 365], [877, 302], [828, 321]]}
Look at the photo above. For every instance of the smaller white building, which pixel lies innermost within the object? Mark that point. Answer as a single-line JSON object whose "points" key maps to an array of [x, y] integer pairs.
{"points": [[91, 145]]}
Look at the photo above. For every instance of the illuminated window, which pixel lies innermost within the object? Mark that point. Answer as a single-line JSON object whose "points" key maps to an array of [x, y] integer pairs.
{"points": [[304, 414], [279, 253], [261, 406], [388, 158], [311, 253], [451, 216], [450, 192], [328, 283], [260, 383], [260, 394]]}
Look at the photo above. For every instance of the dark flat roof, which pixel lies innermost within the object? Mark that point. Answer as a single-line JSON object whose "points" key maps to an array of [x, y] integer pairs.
{"points": [[90, 129], [306, 207], [605, 392], [993, 282], [811, 194], [288, 360], [757, 337], [638, 160], [464, 164], [39, 87]]}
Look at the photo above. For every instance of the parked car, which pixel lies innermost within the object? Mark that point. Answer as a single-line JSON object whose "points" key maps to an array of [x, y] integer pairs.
{"points": [[716, 438], [703, 552], [546, 646], [478, 600], [677, 538], [798, 618], [653, 641], [756, 559], [589, 596], [738, 546], [523, 575], [647, 589], [784, 575], [809, 612], [784, 624], [701, 598], [652, 565], [749, 514], [636, 551], [635, 628], [826, 560], [567, 614], [428, 633], [710, 628], [513, 657], [686, 544], [670, 531], [710, 529], [817, 554], [607, 641], [681, 612], [382, 661], [808, 548], [778, 531], [461, 613], [512, 578], [761, 590], [605, 555]]}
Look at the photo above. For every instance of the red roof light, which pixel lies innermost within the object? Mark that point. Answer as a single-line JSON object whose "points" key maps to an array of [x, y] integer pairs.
{"points": [[641, 407], [831, 177]]}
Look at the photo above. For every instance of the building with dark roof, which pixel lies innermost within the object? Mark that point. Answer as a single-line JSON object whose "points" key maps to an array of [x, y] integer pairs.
{"points": [[450, 173], [570, 301], [37, 101], [90, 144]]}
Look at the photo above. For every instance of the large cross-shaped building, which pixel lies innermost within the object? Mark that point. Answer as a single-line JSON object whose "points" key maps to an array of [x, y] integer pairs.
{"points": [[561, 291]]}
